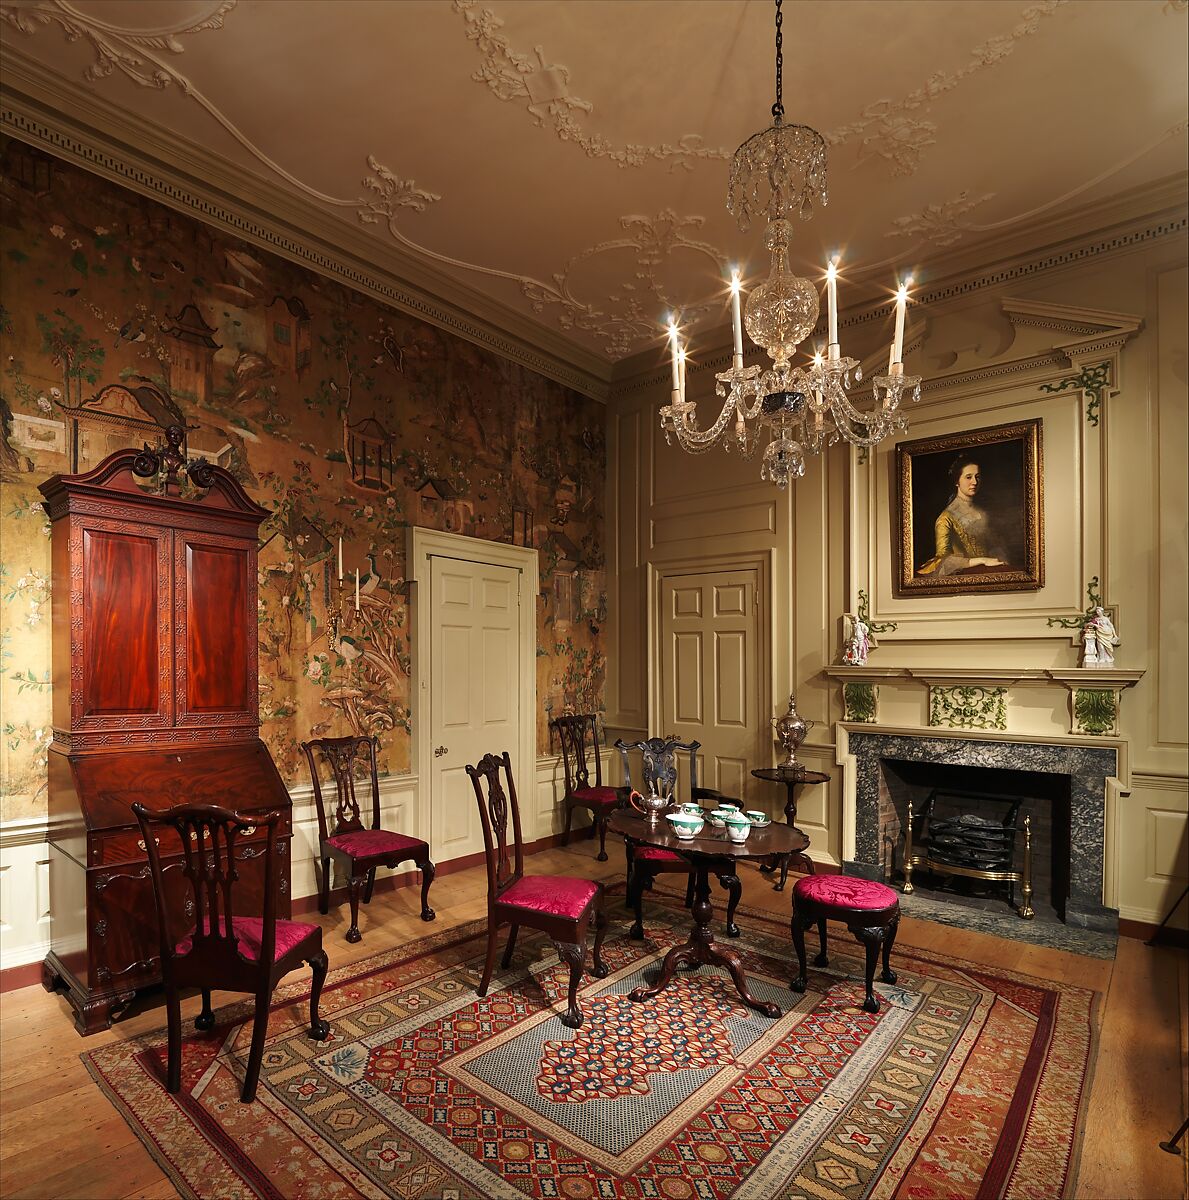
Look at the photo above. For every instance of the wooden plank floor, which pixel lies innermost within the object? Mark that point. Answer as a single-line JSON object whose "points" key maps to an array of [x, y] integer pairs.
{"points": [[60, 1138]]}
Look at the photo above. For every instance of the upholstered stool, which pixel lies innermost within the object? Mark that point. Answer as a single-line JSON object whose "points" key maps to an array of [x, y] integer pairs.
{"points": [[870, 910]]}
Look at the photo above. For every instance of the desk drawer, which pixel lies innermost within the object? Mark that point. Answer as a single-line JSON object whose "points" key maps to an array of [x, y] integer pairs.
{"points": [[128, 845]]}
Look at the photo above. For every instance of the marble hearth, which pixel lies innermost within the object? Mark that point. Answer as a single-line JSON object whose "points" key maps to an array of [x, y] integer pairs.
{"points": [[1072, 778]]}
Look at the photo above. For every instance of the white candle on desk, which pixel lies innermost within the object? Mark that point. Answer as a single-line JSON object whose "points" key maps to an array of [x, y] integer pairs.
{"points": [[898, 338], [832, 298], [736, 322], [340, 559]]}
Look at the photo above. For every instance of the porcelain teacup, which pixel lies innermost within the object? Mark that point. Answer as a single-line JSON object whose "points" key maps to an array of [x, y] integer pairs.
{"points": [[692, 807], [757, 818], [718, 818], [738, 827], [685, 825]]}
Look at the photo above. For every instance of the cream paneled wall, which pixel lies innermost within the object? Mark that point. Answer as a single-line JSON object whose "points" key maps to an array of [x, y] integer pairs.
{"points": [[1115, 507]]}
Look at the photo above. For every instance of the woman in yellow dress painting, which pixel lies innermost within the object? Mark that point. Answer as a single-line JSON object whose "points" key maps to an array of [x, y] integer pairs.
{"points": [[965, 535]]}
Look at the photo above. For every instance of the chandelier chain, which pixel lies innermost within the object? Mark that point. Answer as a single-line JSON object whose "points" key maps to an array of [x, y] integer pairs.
{"points": [[778, 107]]}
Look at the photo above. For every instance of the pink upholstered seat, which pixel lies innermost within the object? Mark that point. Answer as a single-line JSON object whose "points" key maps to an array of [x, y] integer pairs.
{"points": [[602, 797], [558, 895], [374, 843], [844, 891], [250, 933], [656, 854]]}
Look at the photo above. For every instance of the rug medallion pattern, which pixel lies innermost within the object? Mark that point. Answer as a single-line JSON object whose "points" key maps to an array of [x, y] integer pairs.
{"points": [[966, 1082]]}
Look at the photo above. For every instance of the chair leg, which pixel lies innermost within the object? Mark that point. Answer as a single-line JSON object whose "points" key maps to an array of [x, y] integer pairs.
{"points": [[636, 882], [799, 925], [371, 883], [319, 1029], [573, 953], [565, 837], [506, 961], [629, 853], [872, 937], [489, 965], [256, 1053], [173, 1070], [354, 887], [823, 957], [428, 872], [598, 967], [324, 892], [734, 891], [888, 975], [601, 825], [205, 1019]]}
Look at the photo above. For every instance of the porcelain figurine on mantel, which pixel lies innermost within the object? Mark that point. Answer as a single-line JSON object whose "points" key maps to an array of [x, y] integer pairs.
{"points": [[791, 730], [1099, 639], [858, 641]]}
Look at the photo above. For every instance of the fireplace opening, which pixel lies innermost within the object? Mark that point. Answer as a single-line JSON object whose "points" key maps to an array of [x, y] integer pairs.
{"points": [[971, 818]]}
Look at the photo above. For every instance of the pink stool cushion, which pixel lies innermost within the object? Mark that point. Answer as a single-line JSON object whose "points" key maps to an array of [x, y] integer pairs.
{"points": [[844, 891], [250, 932], [557, 895], [656, 854], [597, 797], [375, 843]]}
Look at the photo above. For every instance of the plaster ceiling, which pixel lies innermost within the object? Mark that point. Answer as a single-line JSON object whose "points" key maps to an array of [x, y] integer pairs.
{"points": [[568, 161]]}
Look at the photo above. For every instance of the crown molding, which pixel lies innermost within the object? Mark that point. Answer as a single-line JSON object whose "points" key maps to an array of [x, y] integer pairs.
{"points": [[75, 123]]}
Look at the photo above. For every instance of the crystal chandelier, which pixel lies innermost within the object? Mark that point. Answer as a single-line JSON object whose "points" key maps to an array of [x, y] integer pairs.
{"points": [[775, 173]]}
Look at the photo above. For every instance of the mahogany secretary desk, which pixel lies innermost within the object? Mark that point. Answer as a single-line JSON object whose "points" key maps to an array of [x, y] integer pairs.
{"points": [[155, 662]]}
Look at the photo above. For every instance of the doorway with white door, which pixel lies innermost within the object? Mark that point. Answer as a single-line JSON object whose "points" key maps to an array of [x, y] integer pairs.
{"points": [[473, 677]]}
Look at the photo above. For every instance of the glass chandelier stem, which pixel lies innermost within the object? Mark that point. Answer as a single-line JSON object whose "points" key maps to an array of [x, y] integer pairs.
{"points": [[778, 107]]}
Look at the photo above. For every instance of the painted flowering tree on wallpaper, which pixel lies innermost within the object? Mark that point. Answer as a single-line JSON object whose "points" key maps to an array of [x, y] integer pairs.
{"points": [[344, 418]]}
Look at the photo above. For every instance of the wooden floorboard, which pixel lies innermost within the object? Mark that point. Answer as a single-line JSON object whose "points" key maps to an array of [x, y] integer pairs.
{"points": [[61, 1138]]}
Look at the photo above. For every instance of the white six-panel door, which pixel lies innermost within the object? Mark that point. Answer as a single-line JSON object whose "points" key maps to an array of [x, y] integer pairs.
{"points": [[710, 674], [474, 692]]}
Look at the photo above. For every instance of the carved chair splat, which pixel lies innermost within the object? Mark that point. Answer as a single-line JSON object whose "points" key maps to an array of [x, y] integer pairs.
{"points": [[358, 849], [224, 949], [560, 906]]}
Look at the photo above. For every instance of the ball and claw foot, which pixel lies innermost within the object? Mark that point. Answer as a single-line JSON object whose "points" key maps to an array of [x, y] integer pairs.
{"points": [[353, 935], [428, 914], [822, 959], [204, 1022], [887, 975], [599, 970], [636, 933], [798, 984], [733, 930], [871, 1004], [571, 1018], [320, 1031]]}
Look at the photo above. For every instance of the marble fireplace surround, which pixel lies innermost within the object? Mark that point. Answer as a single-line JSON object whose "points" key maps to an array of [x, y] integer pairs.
{"points": [[1093, 772]]}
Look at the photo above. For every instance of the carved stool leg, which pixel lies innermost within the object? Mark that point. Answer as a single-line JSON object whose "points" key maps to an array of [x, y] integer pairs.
{"points": [[173, 1012], [324, 892], [371, 883], [428, 873], [734, 891], [354, 887], [823, 957], [601, 825], [598, 967], [800, 923], [872, 937], [489, 965], [205, 1019], [319, 963], [256, 1053], [573, 953], [888, 975], [506, 961]]}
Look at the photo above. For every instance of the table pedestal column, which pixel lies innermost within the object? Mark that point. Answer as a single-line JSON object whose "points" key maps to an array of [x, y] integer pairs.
{"points": [[701, 949], [782, 860]]}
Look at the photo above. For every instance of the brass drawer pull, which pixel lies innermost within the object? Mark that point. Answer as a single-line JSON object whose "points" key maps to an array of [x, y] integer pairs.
{"points": [[140, 843], [248, 830]]}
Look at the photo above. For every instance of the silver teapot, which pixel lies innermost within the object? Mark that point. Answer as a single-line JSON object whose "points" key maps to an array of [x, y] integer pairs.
{"points": [[651, 805]]}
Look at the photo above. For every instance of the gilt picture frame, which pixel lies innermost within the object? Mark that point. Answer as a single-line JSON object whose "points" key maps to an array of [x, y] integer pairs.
{"points": [[969, 512]]}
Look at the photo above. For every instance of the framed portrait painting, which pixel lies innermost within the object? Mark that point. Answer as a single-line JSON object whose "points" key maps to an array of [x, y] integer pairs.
{"points": [[969, 512]]}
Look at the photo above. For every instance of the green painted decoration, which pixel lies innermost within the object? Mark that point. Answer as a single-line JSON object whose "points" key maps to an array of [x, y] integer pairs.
{"points": [[1095, 710], [859, 702], [968, 707], [1092, 380]]}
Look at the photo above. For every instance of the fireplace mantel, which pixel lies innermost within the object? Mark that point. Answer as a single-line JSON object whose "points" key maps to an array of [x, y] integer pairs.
{"points": [[979, 698]]}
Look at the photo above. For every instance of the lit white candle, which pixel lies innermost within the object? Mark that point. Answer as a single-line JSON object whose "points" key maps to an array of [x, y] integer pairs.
{"points": [[736, 321], [681, 372], [356, 589], [340, 559], [898, 339], [832, 298], [673, 345]]}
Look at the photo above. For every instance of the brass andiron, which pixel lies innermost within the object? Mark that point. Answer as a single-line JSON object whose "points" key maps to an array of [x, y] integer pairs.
{"points": [[791, 730]]}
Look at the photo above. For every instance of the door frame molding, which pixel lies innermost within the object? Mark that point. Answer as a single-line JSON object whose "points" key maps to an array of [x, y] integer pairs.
{"points": [[424, 545], [759, 561]]}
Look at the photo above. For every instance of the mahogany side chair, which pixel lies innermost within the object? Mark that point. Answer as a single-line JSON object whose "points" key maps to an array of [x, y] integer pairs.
{"points": [[358, 849], [578, 736], [224, 950], [560, 906], [658, 774]]}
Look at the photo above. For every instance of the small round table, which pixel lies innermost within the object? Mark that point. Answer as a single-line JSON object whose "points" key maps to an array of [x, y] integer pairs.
{"points": [[711, 852], [792, 778]]}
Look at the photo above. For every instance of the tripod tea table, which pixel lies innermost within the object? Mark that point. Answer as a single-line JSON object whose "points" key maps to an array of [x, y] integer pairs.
{"points": [[711, 852], [793, 778]]}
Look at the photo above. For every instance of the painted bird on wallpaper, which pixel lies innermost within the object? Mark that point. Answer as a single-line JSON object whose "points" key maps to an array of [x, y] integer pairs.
{"points": [[370, 579]]}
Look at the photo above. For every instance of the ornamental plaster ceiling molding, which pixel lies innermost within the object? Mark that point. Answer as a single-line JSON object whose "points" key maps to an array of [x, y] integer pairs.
{"points": [[596, 234]]}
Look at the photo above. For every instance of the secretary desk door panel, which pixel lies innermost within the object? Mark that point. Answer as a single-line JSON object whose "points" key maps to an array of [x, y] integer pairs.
{"points": [[217, 630], [120, 626]]}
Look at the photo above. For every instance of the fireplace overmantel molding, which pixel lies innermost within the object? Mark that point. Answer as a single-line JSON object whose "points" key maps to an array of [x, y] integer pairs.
{"points": [[1099, 769]]}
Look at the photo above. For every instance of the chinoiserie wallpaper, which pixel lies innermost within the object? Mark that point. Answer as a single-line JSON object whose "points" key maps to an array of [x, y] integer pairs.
{"points": [[120, 317]]}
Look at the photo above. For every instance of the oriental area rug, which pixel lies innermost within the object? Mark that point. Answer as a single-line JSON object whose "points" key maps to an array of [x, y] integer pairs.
{"points": [[969, 1082]]}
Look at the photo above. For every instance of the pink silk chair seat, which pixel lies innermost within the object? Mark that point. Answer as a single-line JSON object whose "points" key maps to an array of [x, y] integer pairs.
{"points": [[558, 895], [656, 854], [844, 891], [602, 797], [250, 932], [374, 843]]}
